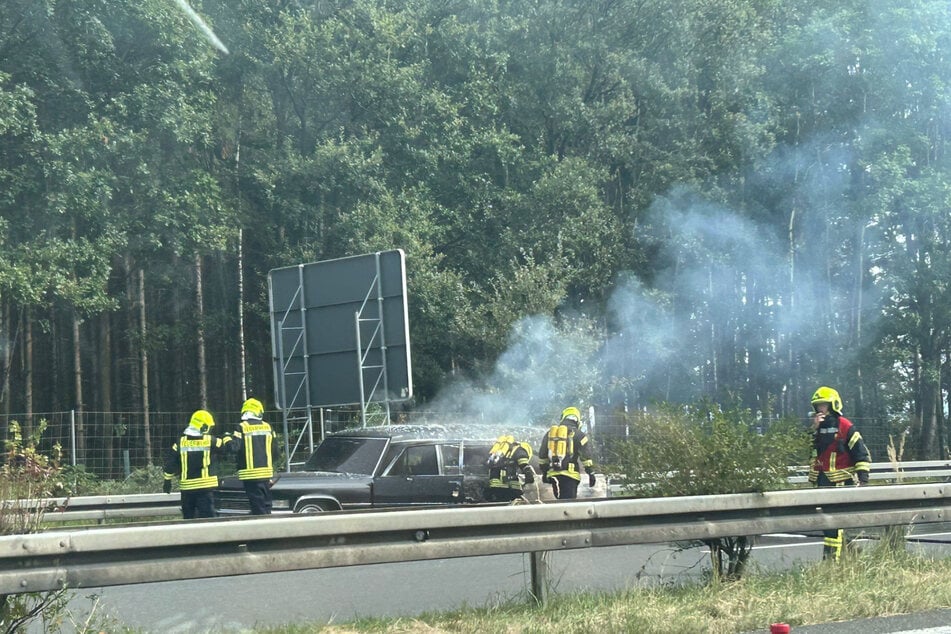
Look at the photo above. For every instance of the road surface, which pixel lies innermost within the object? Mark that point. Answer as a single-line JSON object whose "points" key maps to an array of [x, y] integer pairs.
{"points": [[407, 589]]}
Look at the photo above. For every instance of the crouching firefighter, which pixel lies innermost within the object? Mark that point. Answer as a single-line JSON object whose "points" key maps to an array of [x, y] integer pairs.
{"points": [[254, 446], [507, 458], [839, 456], [564, 450], [191, 460]]}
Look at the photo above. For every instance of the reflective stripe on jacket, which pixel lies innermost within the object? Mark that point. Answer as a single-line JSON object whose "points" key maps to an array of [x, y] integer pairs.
{"points": [[256, 461], [191, 458], [518, 458], [839, 452], [581, 455]]}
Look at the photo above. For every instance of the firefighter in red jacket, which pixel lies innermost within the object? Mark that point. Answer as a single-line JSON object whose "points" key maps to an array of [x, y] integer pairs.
{"points": [[839, 455]]}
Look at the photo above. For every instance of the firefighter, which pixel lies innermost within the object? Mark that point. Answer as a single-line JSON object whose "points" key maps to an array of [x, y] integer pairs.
{"points": [[190, 460], [254, 446], [564, 450], [507, 458], [839, 456]]}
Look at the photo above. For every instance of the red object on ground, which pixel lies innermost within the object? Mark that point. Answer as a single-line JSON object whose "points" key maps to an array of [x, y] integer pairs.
{"points": [[779, 628]]}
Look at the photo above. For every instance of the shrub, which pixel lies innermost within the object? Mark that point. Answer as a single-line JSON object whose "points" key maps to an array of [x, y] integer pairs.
{"points": [[702, 449], [26, 478]]}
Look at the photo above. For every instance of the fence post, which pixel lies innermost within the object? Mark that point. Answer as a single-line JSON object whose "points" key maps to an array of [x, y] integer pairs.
{"points": [[126, 463], [72, 436], [539, 568]]}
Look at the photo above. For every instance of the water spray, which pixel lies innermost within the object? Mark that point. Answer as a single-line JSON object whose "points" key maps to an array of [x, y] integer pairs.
{"points": [[204, 28]]}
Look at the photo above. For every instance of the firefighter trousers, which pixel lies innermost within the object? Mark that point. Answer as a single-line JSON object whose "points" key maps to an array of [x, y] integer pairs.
{"points": [[259, 496], [833, 538]]}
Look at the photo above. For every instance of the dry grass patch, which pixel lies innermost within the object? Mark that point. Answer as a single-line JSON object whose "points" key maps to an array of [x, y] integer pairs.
{"points": [[879, 582]]}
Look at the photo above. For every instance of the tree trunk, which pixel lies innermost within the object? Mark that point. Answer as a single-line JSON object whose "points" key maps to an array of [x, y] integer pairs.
{"points": [[6, 359], [105, 386], [929, 397], [200, 304], [144, 369], [241, 349], [28, 367], [787, 404], [54, 370], [180, 366], [860, 278], [237, 192]]}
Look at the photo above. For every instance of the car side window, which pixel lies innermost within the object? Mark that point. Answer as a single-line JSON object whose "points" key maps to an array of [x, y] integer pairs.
{"points": [[474, 459], [416, 460], [450, 459]]}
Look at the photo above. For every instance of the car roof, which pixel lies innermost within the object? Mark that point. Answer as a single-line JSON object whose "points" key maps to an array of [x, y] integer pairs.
{"points": [[445, 431]]}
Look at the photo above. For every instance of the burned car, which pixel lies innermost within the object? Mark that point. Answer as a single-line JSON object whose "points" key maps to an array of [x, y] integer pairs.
{"points": [[379, 467]]}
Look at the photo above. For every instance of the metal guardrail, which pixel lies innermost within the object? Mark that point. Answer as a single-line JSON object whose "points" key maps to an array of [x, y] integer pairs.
{"points": [[106, 507], [880, 471], [108, 556], [145, 505], [928, 469]]}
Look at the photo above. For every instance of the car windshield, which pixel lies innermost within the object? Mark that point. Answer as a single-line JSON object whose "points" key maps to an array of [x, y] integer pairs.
{"points": [[347, 455]]}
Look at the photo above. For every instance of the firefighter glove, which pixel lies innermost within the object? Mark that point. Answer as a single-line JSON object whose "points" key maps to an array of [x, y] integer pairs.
{"points": [[529, 476], [167, 486], [545, 477], [591, 479]]}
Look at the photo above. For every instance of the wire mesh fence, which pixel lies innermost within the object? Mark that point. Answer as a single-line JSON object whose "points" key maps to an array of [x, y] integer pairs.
{"points": [[112, 445]]}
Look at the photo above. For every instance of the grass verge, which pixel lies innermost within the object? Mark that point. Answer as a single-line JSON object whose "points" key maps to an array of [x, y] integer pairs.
{"points": [[878, 581]]}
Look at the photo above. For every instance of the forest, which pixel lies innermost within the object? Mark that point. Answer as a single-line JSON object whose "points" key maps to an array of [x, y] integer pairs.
{"points": [[610, 203]]}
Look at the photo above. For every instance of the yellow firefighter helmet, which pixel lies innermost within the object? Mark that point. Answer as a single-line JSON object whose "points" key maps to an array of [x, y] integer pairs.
{"points": [[571, 415], [202, 420], [252, 408], [827, 395]]}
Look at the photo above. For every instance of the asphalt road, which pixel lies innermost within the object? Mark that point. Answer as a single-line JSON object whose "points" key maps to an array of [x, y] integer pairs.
{"points": [[408, 589], [404, 589], [933, 622]]}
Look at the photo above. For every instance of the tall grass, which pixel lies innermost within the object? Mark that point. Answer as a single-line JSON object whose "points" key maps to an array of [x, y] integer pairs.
{"points": [[883, 580]]}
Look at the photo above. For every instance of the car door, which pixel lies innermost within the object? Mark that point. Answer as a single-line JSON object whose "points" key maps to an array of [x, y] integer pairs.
{"points": [[417, 477]]}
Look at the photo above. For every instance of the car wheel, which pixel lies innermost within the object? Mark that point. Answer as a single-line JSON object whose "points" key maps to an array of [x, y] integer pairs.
{"points": [[312, 507]]}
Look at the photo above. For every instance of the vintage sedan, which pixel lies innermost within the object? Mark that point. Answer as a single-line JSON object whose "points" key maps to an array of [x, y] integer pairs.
{"points": [[380, 467]]}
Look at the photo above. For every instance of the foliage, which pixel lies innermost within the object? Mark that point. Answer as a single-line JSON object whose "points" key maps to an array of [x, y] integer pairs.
{"points": [[142, 480], [703, 449], [768, 181], [27, 477]]}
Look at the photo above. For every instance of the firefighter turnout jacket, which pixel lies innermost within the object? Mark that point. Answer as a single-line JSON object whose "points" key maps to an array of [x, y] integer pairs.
{"points": [[839, 452], [254, 442], [563, 451], [506, 459], [190, 460]]}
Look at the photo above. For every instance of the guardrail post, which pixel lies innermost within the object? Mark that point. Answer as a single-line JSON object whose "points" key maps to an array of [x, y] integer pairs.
{"points": [[540, 576]]}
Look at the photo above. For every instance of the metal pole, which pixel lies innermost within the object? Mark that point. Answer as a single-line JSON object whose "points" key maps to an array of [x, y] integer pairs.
{"points": [[379, 309], [539, 566], [72, 435], [363, 402], [282, 388]]}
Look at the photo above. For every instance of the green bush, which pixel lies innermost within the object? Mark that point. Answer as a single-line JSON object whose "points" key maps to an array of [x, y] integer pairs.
{"points": [[702, 449], [26, 477]]}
